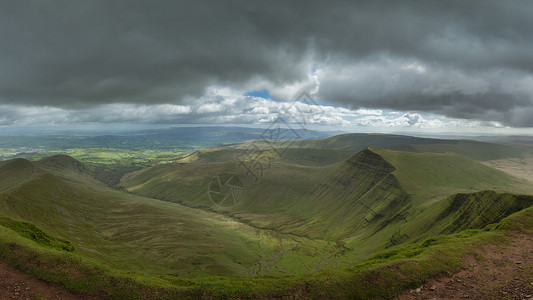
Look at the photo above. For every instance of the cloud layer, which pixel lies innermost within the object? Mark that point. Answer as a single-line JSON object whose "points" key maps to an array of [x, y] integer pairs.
{"points": [[460, 59], [223, 107]]}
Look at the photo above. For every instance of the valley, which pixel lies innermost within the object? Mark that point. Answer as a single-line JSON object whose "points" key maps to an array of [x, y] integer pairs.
{"points": [[169, 150], [346, 208]]}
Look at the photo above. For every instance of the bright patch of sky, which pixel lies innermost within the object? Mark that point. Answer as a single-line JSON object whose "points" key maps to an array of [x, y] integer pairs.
{"points": [[223, 106], [259, 94]]}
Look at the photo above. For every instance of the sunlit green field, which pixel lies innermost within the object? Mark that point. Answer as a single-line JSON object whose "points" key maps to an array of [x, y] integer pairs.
{"points": [[106, 155]]}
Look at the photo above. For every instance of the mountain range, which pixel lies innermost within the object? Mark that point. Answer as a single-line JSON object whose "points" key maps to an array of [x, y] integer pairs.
{"points": [[264, 217]]}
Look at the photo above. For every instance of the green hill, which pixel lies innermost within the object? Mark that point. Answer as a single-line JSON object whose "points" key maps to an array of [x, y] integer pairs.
{"points": [[313, 152], [134, 233], [301, 225], [358, 141], [475, 150], [300, 156], [323, 152], [472, 149], [356, 200], [428, 175], [15, 171]]}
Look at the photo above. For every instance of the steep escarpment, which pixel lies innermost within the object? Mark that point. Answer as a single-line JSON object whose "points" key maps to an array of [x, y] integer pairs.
{"points": [[332, 202], [477, 210], [360, 193]]}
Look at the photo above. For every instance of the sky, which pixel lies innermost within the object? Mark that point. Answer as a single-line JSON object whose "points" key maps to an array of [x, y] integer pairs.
{"points": [[368, 66]]}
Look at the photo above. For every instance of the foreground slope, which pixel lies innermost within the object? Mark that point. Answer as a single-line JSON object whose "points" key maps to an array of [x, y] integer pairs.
{"points": [[385, 275], [135, 233]]}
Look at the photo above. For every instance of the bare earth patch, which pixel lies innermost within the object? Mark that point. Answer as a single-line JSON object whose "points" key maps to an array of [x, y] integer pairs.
{"points": [[496, 272], [518, 167], [17, 285]]}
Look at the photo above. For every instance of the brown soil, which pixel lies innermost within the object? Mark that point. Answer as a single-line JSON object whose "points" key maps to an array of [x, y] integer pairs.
{"points": [[496, 272], [17, 285]]}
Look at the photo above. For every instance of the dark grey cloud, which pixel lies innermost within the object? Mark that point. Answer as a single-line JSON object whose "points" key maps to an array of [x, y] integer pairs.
{"points": [[492, 95], [85, 52], [464, 59]]}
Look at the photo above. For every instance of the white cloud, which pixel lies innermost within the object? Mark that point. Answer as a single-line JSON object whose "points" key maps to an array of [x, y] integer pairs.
{"points": [[411, 120], [209, 108], [226, 106]]}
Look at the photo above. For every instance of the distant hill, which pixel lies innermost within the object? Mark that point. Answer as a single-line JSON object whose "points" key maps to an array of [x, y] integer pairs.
{"points": [[481, 151], [15, 171], [184, 138], [300, 156], [322, 152]]}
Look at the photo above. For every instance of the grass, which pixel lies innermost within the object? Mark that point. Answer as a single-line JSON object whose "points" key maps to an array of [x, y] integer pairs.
{"points": [[428, 175], [343, 230], [299, 156], [376, 199], [475, 150], [108, 165], [135, 233], [382, 276], [355, 142], [31, 232], [489, 207]]}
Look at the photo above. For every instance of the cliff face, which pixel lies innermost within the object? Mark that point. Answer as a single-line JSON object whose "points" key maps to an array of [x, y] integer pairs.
{"points": [[477, 210], [362, 192]]}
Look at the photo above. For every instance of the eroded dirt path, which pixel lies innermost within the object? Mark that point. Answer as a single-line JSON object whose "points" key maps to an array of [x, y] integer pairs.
{"points": [[17, 285], [497, 272]]}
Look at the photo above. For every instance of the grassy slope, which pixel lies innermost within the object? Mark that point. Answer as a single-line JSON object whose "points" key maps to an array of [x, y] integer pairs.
{"points": [[481, 151], [299, 156], [357, 141], [472, 149], [428, 175], [322, 152], [316, 152], [130, 232], [384, 275], [376, 199], [155, 237]]}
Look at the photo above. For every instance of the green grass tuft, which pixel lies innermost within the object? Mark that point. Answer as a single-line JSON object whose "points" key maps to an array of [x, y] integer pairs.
{"points": [[33, 233]]}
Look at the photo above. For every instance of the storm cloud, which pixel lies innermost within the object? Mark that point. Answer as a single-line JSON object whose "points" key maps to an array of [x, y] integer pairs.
{"points": [[460, 59]]}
